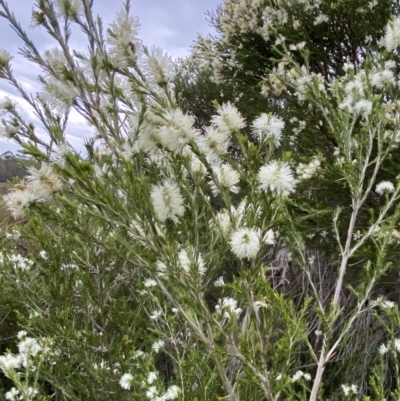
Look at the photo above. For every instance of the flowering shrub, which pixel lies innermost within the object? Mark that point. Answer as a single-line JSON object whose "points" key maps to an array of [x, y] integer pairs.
{"points": [[171, 261]]}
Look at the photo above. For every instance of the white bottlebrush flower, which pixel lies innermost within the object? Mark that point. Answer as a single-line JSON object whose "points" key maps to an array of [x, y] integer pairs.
{"points": [[10, 361], [219, 282], [382, 78], [167, 201], [245, 243], [383, 349], [155, 314], [226, 307], [257, 305], [347, 390], [158, 345], [149, 282], [122, 36], [397, 344], [20, 263], [363, 107], [269, 238], [68, 8], [187, 262], [297, 47], [5, 57], [43, 182], [18, 201], [12, 395], [387, 304], [172, 393], [384, 187], [320, 19], [228, 119], [8, 130], [29, 346], [391, 40], [43, 254], [152, 393], [277, 177], [306, 171], [22, 334], [126, 381], [157, 66], [152, 377], [226, 177], [297, 376], [267, 126], [59, 95], [177, 131], [56, 59], [214, 143]]}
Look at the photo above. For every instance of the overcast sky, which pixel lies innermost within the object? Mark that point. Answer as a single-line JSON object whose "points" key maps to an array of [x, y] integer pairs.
{"points": [[171, 24]]}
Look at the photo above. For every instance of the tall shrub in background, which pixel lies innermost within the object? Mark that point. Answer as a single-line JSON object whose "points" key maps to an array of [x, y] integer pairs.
{"points": [[172, 260]]}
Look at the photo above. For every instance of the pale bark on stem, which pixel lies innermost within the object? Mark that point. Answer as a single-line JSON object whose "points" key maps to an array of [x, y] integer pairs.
{"points": [[336, 300]]}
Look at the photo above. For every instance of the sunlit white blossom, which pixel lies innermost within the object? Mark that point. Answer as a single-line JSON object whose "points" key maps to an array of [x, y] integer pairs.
{"points": [[43, 182], [126, 381], [299, 375], [228, 119], [306, 171], [214, 143], [8, 130], [219, 282], [10, 361], [320, 19], [157, 66], [363, 107], [5, 57], [29, 346], [172, 393], [20, 263], [245, 243], [59, 95], [391, 40], [347, 390], [167, 201], [56, 59], [269, 238], [276, 177], [177, 130], [383, 349], [68, 8], [158, 345], [43, 254], [152, 377], [12, 395], [227, 307], [18, 201], [150, 283], [152, 392], [155, 314], [268, 126], [384, 187], [226, 177], [122, 36]]}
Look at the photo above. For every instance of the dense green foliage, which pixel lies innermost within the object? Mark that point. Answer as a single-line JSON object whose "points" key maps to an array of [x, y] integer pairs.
{"points": [[232, 231]]}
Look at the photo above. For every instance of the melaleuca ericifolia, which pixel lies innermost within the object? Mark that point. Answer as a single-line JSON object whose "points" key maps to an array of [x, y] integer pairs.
{"points": [[152, 259]]}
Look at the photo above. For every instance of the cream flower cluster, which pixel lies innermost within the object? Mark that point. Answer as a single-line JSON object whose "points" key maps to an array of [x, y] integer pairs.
{"points": [[39, 186]]}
